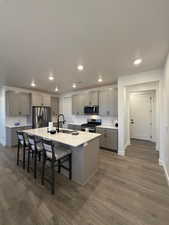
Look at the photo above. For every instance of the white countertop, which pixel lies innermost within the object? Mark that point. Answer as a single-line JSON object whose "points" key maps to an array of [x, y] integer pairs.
{"points": [[68, 139], [108, 127], [76, 123], [20, 125]]}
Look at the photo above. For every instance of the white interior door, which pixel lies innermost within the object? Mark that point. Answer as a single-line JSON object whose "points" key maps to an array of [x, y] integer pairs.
{"points": [[141, 116]]}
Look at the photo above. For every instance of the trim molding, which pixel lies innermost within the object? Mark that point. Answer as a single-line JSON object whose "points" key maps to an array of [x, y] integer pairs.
{"points": [[122, 153], [162, 163]]}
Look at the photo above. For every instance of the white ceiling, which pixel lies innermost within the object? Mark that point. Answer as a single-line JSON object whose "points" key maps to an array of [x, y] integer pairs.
{"points": [[42, 36]]}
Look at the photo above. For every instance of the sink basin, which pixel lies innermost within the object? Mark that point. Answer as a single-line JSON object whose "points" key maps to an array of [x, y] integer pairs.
{"points": [[66, 131]]}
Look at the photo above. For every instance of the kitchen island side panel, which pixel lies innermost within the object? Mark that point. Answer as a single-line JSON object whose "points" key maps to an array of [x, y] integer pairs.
{"points": [[85, 161]]}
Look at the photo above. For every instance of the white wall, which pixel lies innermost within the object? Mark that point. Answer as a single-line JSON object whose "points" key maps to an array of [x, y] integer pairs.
{"points": [[124, 83], [164, 157], [2, 116], [65, 107]]}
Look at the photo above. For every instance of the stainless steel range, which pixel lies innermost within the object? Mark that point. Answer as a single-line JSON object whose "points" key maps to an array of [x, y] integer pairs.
{"points": [[91, 125]]}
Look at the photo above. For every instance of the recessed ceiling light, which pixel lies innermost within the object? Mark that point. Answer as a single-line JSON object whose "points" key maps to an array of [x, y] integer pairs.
{"points": [[100, 80], [51, 77], [80, 67], [74, 85], [138, 61], [33, 84], [56, 89]]}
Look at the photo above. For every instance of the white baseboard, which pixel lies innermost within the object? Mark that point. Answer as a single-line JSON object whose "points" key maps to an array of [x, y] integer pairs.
{"points": [[162, 163], [122, 153], [126, 145]]}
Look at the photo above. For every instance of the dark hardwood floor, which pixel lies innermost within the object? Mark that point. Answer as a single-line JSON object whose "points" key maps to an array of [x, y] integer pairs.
{"points": [[129, 190]]}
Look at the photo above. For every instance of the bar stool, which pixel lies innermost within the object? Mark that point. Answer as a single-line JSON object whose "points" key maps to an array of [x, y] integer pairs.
{"points": [[35, 148], [57, 156], [22, 143]]}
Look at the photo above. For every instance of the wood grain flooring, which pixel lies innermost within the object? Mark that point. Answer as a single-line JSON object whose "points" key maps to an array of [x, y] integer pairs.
{"points": [[129, 190]]}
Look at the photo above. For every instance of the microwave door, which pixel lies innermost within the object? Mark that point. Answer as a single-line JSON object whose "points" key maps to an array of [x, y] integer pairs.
{"points": [[88, 110], [95, 107]]}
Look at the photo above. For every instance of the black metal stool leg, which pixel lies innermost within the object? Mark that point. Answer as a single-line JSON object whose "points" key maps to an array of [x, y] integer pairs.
{"points": [[18, 154], [23, 157], [43, 169], [39, 154], [53, 176], [70, 166], [35, 164], [28, 161], [59, 166]]}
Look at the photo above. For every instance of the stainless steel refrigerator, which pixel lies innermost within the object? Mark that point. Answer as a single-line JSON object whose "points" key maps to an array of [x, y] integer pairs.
{"points": [[41, 116]]}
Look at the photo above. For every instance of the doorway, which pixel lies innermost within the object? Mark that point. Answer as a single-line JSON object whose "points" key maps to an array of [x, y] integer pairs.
{"points": [[142, 116]]}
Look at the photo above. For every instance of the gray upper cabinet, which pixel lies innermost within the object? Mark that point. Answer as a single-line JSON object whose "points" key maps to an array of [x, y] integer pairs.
{"points": [[17, 104], [93, 98], [46, 100], [79, 101], [36, 100], [41, 100], [25, 104], [108, 102], [75, 105], [54, 105]]}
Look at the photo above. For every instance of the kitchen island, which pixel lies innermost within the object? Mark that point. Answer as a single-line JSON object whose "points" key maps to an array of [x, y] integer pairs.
{"points": [[84, 146]]}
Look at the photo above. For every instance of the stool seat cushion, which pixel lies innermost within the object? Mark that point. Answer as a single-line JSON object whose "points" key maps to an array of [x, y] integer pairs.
{"points": [[39, 147], [60, 152]]}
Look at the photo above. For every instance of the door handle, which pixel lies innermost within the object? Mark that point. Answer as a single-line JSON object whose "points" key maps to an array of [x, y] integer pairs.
{"points": [[132, 121]]}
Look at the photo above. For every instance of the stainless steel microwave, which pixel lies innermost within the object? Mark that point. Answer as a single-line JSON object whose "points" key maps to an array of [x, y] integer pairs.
{"points": [[91, 110]]}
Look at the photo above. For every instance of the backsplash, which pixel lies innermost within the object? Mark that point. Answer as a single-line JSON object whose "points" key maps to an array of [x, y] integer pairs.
{"points": [[83, 119], [19, 119]]}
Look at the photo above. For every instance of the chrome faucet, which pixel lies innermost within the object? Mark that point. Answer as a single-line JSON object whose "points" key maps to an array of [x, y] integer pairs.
{"points": [[58, 121]]}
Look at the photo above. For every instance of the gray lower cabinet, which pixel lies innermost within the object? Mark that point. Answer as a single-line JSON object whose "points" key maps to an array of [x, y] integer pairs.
{"points": [[109, 138], [11, 137], [74, 127], [17, 104]]}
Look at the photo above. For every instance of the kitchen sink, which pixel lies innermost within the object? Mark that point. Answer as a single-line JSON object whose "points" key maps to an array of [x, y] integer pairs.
{"points": [[66, 131]]}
